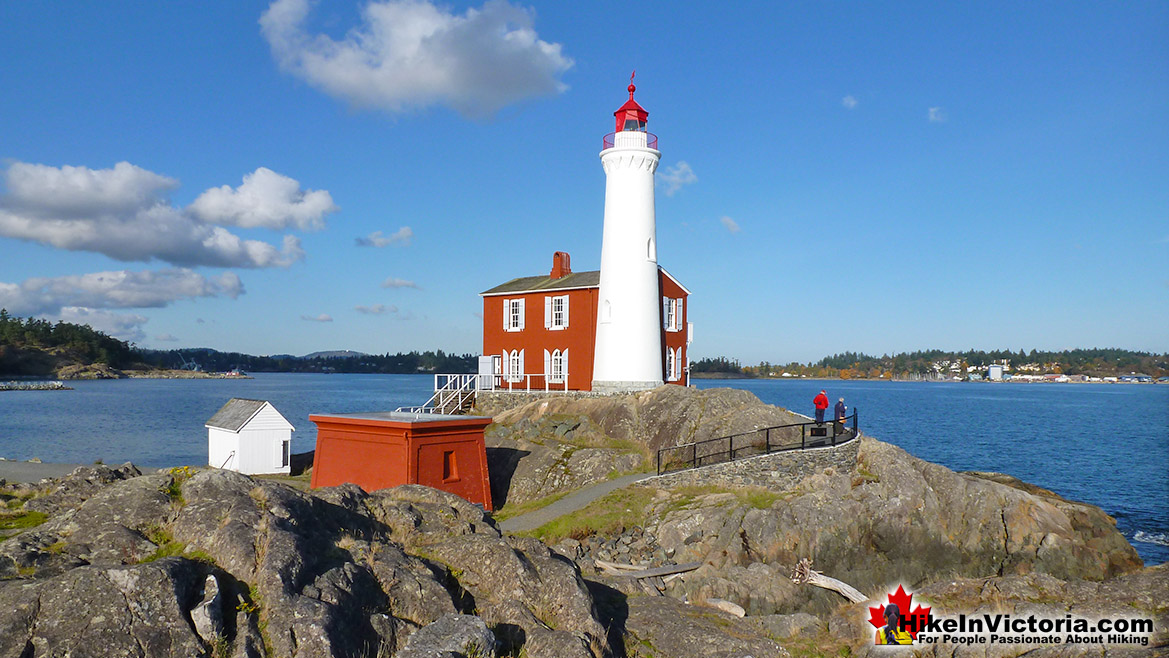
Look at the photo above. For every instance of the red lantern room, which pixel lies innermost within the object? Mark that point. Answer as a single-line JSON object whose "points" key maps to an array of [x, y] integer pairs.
{"points": [[631, 116]]}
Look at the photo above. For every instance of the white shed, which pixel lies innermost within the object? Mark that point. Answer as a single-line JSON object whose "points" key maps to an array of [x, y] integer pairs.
{"points": [[249, 436]]}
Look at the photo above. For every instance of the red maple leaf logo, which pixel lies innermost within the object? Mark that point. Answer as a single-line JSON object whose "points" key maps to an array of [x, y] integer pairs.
{"points": [[910, 622]]}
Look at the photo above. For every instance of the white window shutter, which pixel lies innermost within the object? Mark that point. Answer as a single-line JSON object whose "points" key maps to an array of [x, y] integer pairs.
{"points": [[665, 312], [564, 361], [678, 324], [521, 303], [506, 363], [679, 365], [566, 311], [547, 312], [547, 364], [521, 357], [506, 318]]}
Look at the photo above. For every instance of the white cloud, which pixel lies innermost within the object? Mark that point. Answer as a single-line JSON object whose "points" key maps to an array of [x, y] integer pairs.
{"points": [[937, 115], [323, 317], [125, 214], [849, 102], [166, 338], [119, 289], [673, 178], [411, 54], [730, 224], [376, 239], [266, 199], [394, 282], [375, 309], [122, 326]]}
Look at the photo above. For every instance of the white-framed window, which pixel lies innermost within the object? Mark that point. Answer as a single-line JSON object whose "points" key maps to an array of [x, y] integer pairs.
{"points": [[556, 366], [556, 312], [513, 315], [283, 454], [513, 365], [671, 365], [672, 313]]}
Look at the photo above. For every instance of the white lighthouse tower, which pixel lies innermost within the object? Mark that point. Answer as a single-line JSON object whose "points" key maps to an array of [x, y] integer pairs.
{"points": [[628, 353]]}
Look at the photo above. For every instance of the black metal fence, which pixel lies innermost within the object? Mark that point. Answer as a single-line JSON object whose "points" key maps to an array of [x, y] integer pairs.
{"points": [[780, 438]]}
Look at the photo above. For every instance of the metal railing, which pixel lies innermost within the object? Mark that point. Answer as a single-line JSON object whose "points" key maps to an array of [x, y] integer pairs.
{"points": [[765, 440], [610, 140], [455, 393]]}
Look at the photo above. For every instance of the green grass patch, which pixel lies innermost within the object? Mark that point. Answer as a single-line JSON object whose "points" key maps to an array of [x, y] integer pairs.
{"points": [[688, 497], [509, 510], [23, 520], [169, 549], [620, 509], [300, 482]]}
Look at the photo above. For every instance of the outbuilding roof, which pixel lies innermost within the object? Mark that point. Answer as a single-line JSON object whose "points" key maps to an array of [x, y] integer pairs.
{"points": [[236, 413], [540, 283]]}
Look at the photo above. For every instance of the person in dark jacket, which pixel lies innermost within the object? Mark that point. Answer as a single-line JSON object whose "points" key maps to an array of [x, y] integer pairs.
{"points": [[839, 412], [821, 402]]}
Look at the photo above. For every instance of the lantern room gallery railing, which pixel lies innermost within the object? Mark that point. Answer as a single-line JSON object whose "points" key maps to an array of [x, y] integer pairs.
{"points": [[610, 140]]}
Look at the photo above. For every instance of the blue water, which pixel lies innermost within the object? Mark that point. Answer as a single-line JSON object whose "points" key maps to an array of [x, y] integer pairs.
{"points": [[1103, 444]]}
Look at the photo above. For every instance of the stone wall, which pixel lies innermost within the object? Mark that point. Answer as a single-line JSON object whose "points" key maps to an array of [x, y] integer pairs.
{"points": [[778, 471], [490, 403]]}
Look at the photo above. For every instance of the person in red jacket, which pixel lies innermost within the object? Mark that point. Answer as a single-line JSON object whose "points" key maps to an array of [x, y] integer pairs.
{"points": [[821, 402]]}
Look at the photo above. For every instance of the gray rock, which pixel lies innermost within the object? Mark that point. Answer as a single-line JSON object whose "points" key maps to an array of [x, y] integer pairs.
{"points": [[75, 488], [451, 636], [207, 616], [787, 626], [138, 610], [666, 628]]}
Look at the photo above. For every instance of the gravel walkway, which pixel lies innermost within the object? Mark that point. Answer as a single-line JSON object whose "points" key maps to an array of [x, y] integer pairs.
{"points": [[568, 504]]}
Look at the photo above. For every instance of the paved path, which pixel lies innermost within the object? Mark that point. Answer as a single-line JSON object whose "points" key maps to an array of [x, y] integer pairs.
{"points": [[569, 503]]}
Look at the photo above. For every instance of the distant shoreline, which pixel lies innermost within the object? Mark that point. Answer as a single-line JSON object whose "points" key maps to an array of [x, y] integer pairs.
{"points": [[744, 377]]}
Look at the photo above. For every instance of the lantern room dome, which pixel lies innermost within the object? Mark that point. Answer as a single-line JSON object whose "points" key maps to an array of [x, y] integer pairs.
{"points": [[631, 116]]}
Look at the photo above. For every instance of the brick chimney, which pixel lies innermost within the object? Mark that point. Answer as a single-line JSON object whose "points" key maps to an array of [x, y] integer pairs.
{"points": [[560, 266]]}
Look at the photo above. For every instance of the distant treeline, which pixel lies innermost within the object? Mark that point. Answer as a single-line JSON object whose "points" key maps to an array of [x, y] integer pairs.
{"points": [[84, 344], [212, 360], [80, 340], [930, 363]]}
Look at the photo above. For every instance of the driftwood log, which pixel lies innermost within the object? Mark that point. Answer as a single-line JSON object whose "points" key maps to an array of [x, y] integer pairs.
{"points": [[804, 574], [631, 571]]}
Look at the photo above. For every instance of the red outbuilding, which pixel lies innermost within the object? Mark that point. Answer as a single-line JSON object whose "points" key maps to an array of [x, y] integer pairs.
{"points": [[388, 449], [541, 330]]}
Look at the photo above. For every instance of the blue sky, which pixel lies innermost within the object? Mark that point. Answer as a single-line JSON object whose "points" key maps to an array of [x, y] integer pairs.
{"points": [[877, 177]]}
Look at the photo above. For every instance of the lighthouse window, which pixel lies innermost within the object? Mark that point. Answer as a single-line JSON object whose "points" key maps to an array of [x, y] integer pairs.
{"points": [[556, 312], [558, 365], [634, 124], [513, 314]]}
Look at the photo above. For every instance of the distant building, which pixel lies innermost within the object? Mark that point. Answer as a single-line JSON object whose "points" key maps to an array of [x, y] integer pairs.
{"points": [[249, 436], [995, 373]]}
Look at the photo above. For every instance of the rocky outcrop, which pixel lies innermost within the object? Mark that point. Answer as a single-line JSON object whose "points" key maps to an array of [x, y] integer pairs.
{"points": [[666, 416], [891, 518], [552, 454], [545, 445], [217, 563]]}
